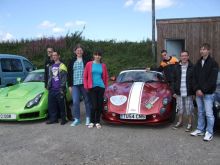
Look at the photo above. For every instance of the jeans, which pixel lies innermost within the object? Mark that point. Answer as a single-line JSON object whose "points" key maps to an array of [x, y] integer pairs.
{"points": [[77, 91], [205, 104], [97, 97], [56, 104]]}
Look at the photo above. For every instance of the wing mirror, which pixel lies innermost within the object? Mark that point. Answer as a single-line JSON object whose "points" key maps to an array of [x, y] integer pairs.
{"points": [[160, 77], [18, 80], [113, 78]]}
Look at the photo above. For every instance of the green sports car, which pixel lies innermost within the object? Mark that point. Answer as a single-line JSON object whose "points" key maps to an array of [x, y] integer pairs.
{"points": [[27, 100]]}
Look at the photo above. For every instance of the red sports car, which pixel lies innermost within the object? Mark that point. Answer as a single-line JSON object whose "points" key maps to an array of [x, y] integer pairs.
{"points": [[140, 97]]}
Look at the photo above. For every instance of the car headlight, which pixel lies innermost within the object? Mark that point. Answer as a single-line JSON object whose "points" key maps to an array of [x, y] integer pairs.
{"points": [[217, 104], [34, 101], [118, 100], [166, 101], [162, 110], [105, 100]]}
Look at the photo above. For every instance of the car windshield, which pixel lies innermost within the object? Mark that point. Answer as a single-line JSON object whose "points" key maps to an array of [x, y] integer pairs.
{"points": [[218, 79], [35, 77], [140, 76]]}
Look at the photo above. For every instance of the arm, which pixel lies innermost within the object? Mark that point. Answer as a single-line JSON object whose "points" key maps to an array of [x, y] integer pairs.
{"points": [[85, 76], [63, 80], [212, 78], [63, 77], [106, 76], [49, 77], [45, 74], [196, 87], [158, 69], [70, 74], [174, 82]]}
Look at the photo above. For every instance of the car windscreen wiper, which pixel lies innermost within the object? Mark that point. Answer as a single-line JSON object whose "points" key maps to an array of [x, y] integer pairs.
{"points": [[128, 81], [149, 81]]}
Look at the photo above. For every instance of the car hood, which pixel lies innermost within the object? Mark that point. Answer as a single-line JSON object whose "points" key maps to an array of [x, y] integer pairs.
{"points": [[149, 89], [22, 91], [132, 97]]}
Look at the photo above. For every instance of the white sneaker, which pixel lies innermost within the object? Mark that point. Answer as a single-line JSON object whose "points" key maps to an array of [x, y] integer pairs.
{"points": [[197, 133], [98, 126], [208, 136], [91, 125]]}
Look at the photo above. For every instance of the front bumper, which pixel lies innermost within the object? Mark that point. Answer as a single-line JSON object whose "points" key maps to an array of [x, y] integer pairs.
{"points": [[24, 116], [152, 119]]}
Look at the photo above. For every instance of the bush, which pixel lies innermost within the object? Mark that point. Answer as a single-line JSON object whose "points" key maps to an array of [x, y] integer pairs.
{"points": [[116, 55]]}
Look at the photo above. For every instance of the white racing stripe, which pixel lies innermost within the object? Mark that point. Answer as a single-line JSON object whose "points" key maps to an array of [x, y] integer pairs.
{"points": [[134, 98]]}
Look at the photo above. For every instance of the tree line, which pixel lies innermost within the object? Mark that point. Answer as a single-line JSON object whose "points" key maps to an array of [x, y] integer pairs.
{"points": [[117, 55]]}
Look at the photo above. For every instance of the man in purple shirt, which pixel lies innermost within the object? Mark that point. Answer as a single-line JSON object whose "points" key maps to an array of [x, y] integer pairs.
{"points": [[57, 89]]}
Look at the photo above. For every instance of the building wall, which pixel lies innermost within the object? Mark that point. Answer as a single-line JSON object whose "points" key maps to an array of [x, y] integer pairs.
{"points": [[194, 31]]}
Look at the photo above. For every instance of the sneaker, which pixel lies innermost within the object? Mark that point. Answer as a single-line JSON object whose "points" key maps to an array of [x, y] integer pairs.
{"points": [[91, 125], [208, 136], [52, 122], [87, 121], [197, 133], [63, 122], [75, 123], [98, 126], [188, 128], [178, 125]]}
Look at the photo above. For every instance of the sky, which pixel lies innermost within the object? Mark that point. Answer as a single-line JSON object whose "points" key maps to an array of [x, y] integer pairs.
{"points": [[119, 20]]}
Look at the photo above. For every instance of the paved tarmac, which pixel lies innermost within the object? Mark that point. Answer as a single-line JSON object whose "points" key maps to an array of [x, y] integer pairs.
{"points": [[35, 143]]}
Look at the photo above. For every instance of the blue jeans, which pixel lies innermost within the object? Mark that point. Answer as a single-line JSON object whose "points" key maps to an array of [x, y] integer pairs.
{"points": [[205, 104], [77, 91]]}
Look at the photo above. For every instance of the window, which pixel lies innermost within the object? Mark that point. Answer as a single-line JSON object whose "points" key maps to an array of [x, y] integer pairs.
{"points": [[11, 65], [28, 66], [175, 46]]}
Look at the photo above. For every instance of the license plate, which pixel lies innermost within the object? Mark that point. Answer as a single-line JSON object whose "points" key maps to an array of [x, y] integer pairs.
{"points": [[133, 116], [7, 116]]}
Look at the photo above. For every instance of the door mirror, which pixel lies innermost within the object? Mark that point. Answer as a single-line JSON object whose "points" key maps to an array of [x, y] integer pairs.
{"points": [[113, 78], [18, 80]]}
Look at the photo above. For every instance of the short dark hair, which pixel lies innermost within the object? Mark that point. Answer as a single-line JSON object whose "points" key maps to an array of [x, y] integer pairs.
{"points": [[57, 51], [163, 51], [184, 51], [206, 46]]}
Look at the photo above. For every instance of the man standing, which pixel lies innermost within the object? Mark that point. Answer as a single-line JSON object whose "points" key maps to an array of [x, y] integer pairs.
{"points": [[48, 62], [183, 89], [167, 60], [204, 84], [57, 89], [166, 65]]}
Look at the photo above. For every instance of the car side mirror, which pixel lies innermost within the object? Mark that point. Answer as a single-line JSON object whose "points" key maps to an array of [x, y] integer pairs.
{"points": [[113, 78], [29, 69], [160, 77], [18, 80]]}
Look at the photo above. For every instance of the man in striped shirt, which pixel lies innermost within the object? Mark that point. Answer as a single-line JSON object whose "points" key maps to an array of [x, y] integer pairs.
{"points": [[183, 89]]}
